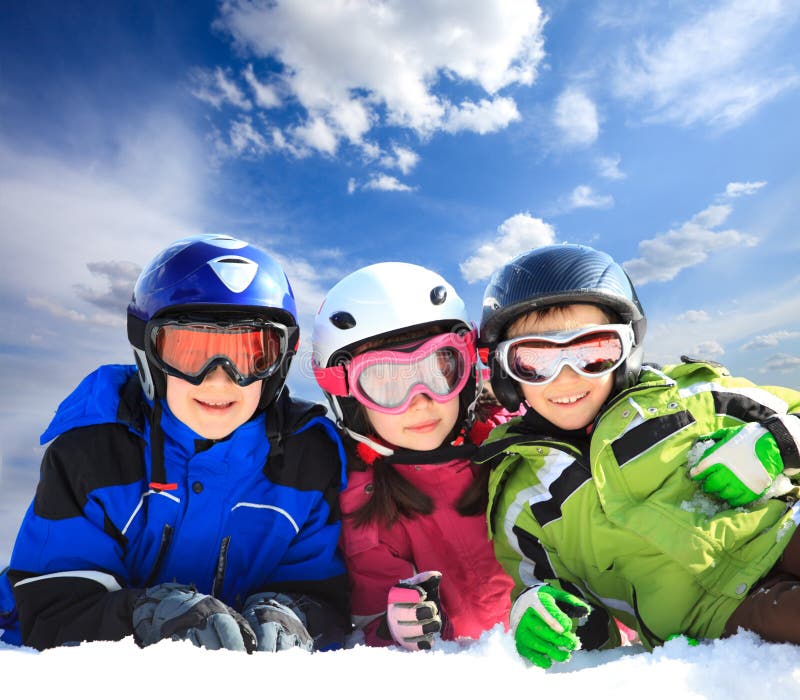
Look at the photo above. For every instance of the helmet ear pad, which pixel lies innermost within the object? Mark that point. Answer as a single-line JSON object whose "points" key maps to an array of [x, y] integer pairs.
{"points": [[505, 388], [628, 374], [273, 385]]}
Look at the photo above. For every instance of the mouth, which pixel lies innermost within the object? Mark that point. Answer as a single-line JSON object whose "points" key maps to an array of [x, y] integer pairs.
{"points": [[569, 400], [424, 427], [215, 405]]}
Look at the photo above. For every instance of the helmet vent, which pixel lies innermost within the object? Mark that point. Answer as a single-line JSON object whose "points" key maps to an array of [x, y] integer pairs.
{"points": [[222, 240], [236, 273], [342, 320], [438, 295]]}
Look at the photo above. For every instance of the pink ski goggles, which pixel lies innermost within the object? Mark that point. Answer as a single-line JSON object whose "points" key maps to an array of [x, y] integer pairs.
{"points": [[387, 380], [592, 352]]}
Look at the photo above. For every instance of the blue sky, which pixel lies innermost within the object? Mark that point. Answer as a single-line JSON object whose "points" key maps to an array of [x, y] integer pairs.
{"points": [[452, 134]]}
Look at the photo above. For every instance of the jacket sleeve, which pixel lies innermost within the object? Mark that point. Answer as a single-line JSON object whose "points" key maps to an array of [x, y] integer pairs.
{"points": [[522, 554], [312, 571], [66, 569], [373, 565], [373, 568]]}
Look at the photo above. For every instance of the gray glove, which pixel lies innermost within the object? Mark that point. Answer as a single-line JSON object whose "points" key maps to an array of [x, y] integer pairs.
{"points": [[174, 611], [277, 626]]}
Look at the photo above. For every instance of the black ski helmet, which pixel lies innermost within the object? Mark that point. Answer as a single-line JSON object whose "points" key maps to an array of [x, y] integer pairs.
{"points": [[551, 275]]}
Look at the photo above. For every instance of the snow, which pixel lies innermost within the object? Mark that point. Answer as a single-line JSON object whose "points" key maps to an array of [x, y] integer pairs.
{"points": [[742, 666]]}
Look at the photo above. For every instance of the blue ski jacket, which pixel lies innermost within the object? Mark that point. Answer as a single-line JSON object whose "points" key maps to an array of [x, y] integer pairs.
{"points": [[129, 498]]}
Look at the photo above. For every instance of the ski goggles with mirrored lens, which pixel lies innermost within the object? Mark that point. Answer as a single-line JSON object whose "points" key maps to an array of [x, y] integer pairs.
{"points": [[387, 380], [591, 352], [248, 350]]}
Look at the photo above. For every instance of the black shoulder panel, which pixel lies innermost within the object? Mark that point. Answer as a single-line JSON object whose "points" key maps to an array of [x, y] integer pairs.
{"points": [[132, 407], [287, 414], [308, 461], [83, 460]]}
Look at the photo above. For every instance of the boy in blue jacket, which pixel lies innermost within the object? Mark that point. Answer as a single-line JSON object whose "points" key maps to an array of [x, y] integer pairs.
{"points": [[188, 496]]}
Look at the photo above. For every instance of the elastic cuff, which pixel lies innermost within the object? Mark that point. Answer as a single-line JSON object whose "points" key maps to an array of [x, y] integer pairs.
{"points": [[786, 431], [524, 600]]}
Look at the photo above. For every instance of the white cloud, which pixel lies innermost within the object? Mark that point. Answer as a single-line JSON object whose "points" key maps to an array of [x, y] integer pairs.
{"points": [[74, 213], [358, 64], [737, 189], [266, 96], [575, 115], [386, 183], [56, 217], [583, 196], [404, 159], [57, 310], [708, 349], [296, 148], [663, 257], [608, 167], [694, 316], [245, 139], [770, 340], [482, 118], [781, 362], [316, 134], [217, 88], [758, 313], [714, 69], [517, 234], [120, 277], [352, 119]]}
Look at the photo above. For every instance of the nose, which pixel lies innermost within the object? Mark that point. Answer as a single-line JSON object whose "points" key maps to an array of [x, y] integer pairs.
{"points": [[419, 399], [216, 376], [566, 372]]}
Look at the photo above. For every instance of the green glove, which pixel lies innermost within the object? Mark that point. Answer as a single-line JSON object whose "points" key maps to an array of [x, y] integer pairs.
{"points": [[741, 464], [544, 619]]}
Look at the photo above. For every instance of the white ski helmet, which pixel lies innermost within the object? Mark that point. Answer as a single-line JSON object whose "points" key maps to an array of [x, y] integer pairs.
{"points": [[378, 301]]}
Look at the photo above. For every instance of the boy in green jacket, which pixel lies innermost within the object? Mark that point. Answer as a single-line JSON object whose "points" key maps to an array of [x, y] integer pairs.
{"points": [[657, 497]]}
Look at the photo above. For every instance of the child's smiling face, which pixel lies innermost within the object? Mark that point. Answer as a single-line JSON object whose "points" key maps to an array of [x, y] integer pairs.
{"points": [[214, 408], [571, 401], [424, 426]]}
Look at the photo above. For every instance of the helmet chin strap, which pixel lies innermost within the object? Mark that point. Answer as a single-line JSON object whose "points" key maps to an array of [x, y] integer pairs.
{"points": [[358, 437], [145, 376], [380, 449]]}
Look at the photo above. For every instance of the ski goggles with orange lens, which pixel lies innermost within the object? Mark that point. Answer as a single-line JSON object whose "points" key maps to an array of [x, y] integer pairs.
{"points": [[248, 350], [591, 352], [387, 380]]}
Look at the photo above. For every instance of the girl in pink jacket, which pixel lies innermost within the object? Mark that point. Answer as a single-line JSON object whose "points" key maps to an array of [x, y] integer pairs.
{"points": [[395, 354]]}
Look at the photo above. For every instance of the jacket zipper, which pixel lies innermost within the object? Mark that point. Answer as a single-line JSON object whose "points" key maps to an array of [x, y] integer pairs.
{"points": [[166, 538], [222, 561]]}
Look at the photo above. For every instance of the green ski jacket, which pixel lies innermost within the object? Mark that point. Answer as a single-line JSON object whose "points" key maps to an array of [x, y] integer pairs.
{"points": [[629, 529]]}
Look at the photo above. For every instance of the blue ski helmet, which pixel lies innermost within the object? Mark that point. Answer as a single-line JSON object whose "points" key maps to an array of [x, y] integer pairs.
{"points": [[554, 275], [211, 276]]}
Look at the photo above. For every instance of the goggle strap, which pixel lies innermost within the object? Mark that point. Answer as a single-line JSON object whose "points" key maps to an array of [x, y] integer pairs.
{"points": [[332, 380]]}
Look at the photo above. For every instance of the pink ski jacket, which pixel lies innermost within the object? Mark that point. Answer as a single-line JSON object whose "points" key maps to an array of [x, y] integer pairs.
{"points": [[474, 591]]}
